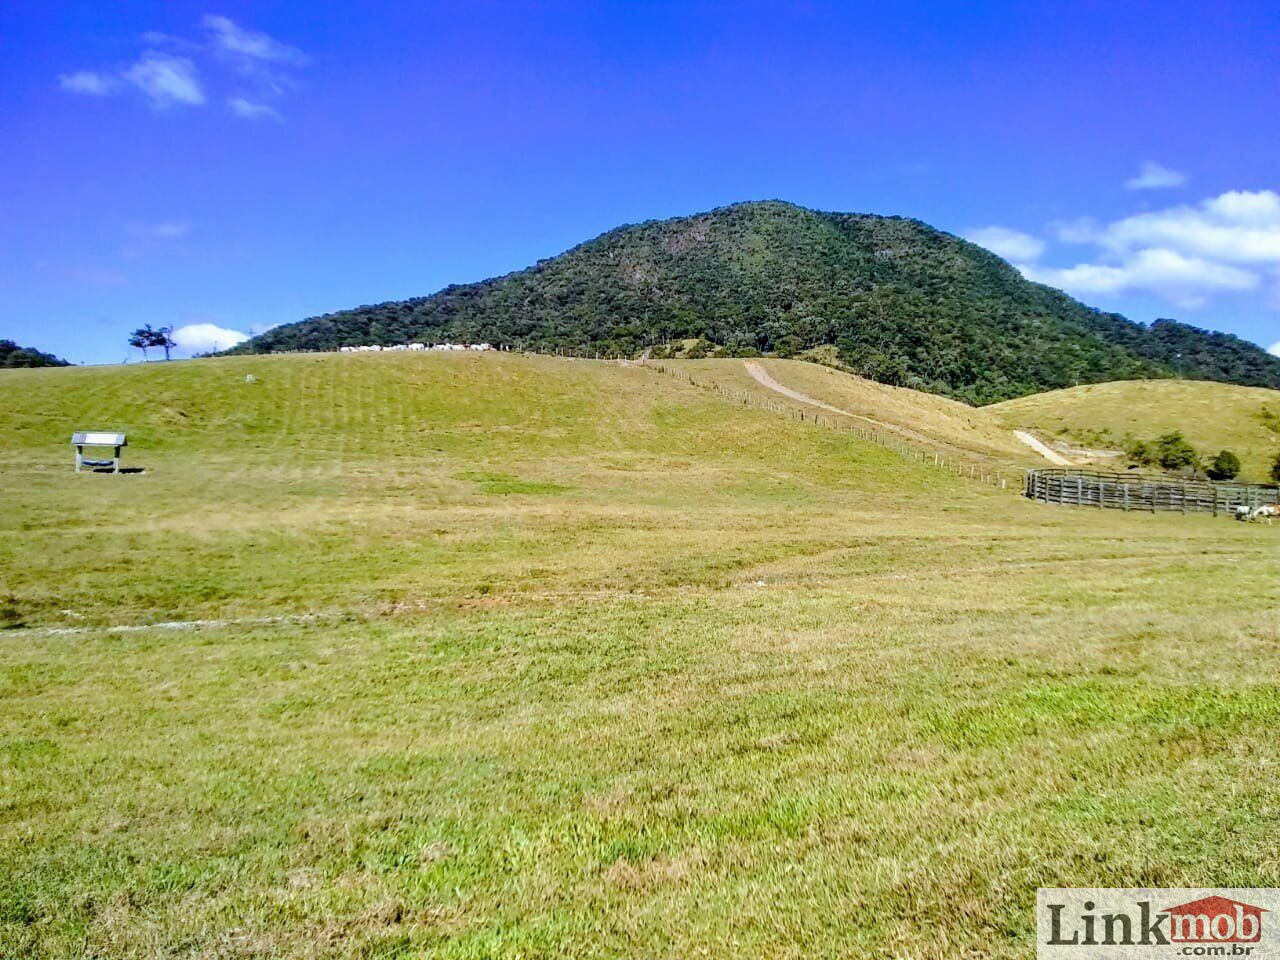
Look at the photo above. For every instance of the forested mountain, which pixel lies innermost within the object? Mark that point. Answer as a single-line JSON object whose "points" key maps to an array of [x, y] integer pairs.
{"points": [[12, 355], [902, 303]]}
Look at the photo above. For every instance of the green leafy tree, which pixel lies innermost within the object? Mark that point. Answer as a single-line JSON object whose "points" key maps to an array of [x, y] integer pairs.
{"points": [[788, 346], [148, 336], [1173, 452], [1225, 466], [143, 339]]}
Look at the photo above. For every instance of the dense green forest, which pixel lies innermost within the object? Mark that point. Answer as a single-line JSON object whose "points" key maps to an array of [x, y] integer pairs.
{"points": [[12, 355], [902, 303]]}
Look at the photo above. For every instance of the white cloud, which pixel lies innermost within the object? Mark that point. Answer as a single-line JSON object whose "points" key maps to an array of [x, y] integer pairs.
{"points": [[207, 337], [253, 111], [167, 72], [89, 83], [231, 38], [1186, 281], [1274, 349], [1239, 227], [1245, 206], [1010, 244], [166, 80], [1154, 176], [1229, 243]]}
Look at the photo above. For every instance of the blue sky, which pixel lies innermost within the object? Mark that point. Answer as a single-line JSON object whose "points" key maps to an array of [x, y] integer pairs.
{"points": [[234, 165]]}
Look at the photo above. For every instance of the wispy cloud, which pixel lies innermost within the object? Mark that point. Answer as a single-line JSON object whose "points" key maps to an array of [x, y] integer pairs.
{"points": [[1184, 281], [89, 83], [1079, 230], [1007, 243], [229, 37], [1184, 254], [171, 70], [253, 111], [166, 81], [1239, 226], [1155, 176]]}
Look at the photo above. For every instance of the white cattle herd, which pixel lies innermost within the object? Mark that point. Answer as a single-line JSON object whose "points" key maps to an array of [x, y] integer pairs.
{"points": [[378, 348]]}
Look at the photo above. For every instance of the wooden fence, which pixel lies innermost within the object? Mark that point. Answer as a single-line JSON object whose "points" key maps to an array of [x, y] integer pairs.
{"points": [[1119, 491]]}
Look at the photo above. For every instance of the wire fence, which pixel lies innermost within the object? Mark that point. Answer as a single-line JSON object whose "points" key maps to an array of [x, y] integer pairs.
{"points": [[1118, 491], [942, 459]]}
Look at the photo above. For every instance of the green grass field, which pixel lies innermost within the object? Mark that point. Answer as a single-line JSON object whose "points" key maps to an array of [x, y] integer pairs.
{"points": [[572, 659], [1213, 416], [923, 420]]}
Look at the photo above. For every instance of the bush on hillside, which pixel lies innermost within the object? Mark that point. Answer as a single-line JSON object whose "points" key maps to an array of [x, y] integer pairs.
{"points": [[1225, 466], [1173, 452], [1140, 452], [1275, 469]]}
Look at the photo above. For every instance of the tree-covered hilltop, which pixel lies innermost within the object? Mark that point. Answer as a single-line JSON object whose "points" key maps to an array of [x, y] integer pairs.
{"points": [[902, 303], [12, 355]]}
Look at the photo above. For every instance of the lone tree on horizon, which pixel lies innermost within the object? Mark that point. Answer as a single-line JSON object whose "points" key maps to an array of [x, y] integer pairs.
{"points": [[164, 340], [149, 336]]}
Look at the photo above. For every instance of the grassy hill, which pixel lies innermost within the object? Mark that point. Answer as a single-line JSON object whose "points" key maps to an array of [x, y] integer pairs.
{"points": [[1212, 416], [514, 656], [922, 419], [900, 303]]}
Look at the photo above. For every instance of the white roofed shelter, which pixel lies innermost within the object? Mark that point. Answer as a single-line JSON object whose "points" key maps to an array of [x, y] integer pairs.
{"points": [[102, 440]]}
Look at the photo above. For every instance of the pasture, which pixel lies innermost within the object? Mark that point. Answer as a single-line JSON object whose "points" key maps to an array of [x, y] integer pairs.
{"points": [[523, 657], [1212, 416]]}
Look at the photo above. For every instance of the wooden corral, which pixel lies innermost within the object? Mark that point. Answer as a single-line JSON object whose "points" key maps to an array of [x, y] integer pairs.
{"points": [[1120, 491]]}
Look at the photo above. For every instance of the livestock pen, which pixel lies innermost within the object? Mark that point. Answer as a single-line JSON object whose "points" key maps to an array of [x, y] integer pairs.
{"points": [[1121, 491]]}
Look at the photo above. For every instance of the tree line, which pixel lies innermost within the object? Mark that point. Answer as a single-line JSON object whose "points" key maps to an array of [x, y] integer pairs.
{"points": [[12, 355], [1173, 452], [892, 299]]}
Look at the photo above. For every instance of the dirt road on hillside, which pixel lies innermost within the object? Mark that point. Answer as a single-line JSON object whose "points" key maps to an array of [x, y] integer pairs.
{"points": [[1039, 446], [762, 377]]}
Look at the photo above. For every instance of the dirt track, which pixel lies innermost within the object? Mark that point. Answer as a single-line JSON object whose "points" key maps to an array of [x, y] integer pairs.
{"points": [[762, 377]]}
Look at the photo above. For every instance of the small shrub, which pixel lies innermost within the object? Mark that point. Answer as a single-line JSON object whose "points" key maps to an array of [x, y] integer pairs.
{"points": [[1173, 452], [1140, 452], [1225, 466], [1275, 469]]}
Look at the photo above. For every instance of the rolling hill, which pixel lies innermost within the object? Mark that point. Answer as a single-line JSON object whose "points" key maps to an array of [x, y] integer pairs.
{"points": [[900, 302], [1212, 416], [921, 419], [498, 655]]}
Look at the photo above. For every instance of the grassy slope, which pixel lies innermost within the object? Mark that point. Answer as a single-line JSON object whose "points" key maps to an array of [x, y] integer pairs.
{"points": [[1211, 415], [606, 667], [920, 418]]}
